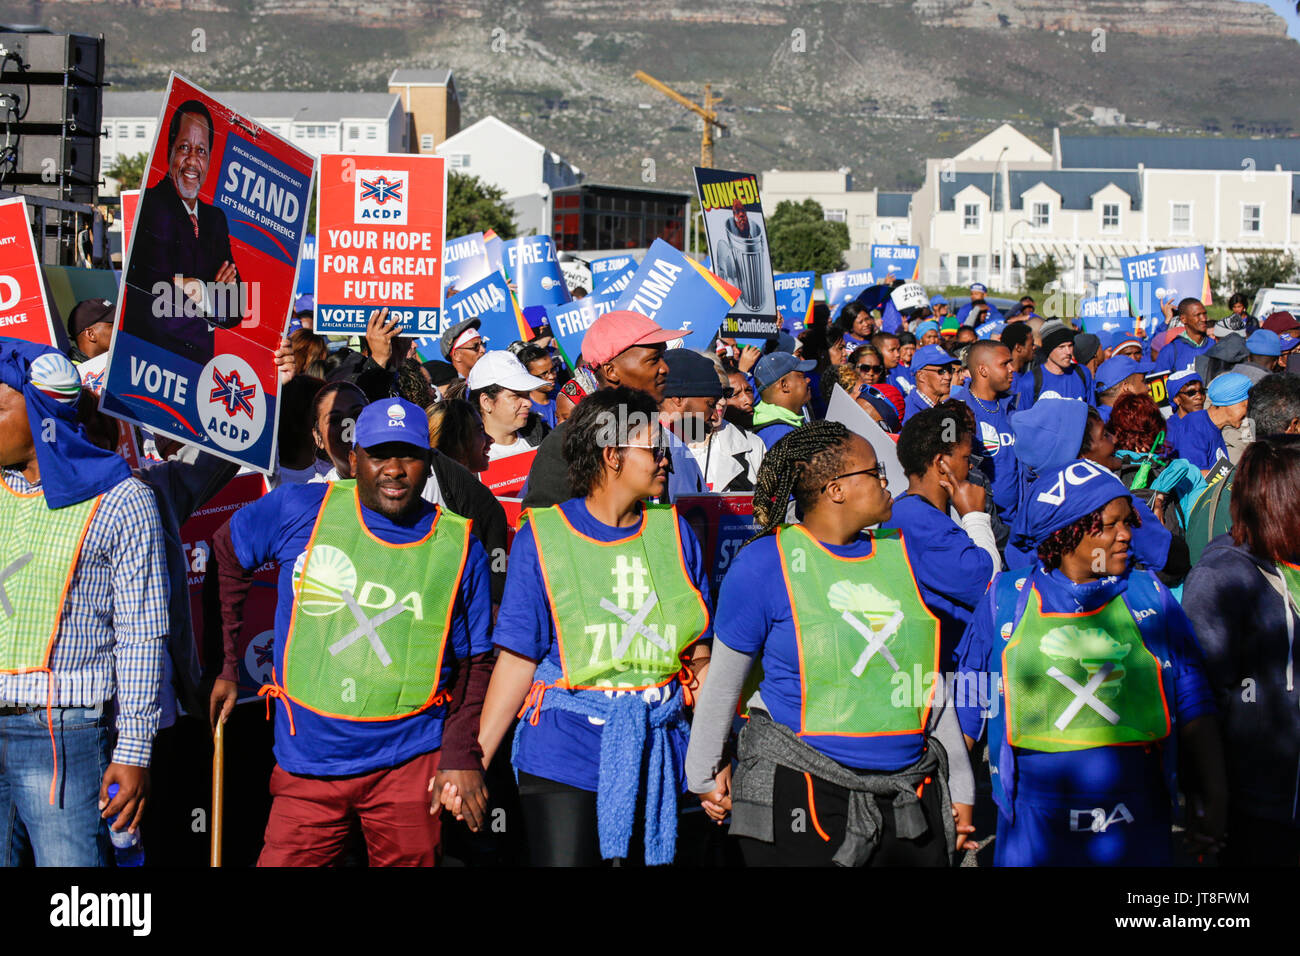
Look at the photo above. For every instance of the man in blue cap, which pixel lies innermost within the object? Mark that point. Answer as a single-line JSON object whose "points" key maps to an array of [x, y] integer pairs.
{"points": [[381, 650], [939, 307], [83, 623], [783, 391], [933, 369], [1117, 376], [1265, 355], [1199, 436]]}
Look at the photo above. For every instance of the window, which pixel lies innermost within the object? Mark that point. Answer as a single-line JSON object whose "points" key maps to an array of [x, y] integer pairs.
{"points": [[123, 130], [458, 160], [1041, 216], [836, 215], [371, 133], [862, 247], [970, 220], [426, 141], [1110, 217], [354, 132], [139, 132], [1180, 218], [864, 221], [1250, 217]]}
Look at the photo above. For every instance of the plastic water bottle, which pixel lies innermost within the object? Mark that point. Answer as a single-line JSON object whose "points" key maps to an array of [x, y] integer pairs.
{"points": [[128, 850]]}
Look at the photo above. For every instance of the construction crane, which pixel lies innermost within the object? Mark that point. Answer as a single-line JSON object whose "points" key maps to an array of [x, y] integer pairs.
{"points": [[706, 112]]}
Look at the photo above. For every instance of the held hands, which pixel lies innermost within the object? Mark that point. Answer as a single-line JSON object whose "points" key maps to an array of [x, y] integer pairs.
{"points": [[461, 792], [381, 336], [966, 496], [749, 357], [222, 700], [717, 803], [227, 273], [284, 362]]}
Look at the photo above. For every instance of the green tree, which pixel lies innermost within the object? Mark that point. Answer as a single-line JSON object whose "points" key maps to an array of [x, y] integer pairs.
{"points": [[1037, 276], [803, 240], [1261, 272], [128, 170], [476, 206]]}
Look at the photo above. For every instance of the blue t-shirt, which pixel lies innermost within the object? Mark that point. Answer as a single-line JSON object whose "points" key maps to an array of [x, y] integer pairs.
{"points": [[913, 403], [563, 746], [965, 311], [1050, 787], [997, 443], [278, 528], [1076, 382], [1197, 439], [546, 411], [952, 570], [901, 377], [773, 432], [1181, 354], [754, 618]]}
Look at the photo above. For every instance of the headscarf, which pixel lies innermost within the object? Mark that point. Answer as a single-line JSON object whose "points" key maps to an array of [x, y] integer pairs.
{"points": [[1062, 495], [72, 468]]}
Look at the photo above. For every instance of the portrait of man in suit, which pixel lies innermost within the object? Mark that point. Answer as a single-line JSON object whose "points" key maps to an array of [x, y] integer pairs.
{"points": [[182, 279]]}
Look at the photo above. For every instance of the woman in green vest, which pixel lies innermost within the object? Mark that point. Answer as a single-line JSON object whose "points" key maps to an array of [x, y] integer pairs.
{"points": [[601, 633], [839, 762]]}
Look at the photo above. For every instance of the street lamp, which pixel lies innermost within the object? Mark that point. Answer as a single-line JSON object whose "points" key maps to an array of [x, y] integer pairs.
{"points": [[993, 193], [1006, 258]]}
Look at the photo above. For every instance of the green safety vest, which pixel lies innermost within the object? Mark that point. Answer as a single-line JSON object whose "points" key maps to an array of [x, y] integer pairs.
{"points": [[370, 619], [39, 550], [624, 611], [858, 622], [1075, 681], [1291, 575]]}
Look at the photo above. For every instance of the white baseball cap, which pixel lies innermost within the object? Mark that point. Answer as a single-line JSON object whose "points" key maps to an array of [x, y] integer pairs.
{"points": [[502, 368]]}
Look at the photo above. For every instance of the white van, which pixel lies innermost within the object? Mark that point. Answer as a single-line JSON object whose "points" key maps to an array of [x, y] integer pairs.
{"points": [[1284, 296]]}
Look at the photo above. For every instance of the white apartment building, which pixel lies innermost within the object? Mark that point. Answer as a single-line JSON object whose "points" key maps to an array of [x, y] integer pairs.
{"points": [[873, 217], [524, 169], [1005, 203], [314, 122]]}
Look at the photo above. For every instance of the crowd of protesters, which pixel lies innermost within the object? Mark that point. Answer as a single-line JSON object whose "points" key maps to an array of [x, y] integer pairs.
{"points": [[1067, 637]]}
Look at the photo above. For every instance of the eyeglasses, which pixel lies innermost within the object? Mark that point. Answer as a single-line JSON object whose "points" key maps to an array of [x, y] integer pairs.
{"points": [[476, 346], [659, 452], [940, 370], [870, 367], [877, 472], [1191, 391]]}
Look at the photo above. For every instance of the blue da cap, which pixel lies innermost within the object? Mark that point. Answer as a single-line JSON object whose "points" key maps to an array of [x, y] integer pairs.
{"points": [[1117, 368], [393, 419], [931, 355]]}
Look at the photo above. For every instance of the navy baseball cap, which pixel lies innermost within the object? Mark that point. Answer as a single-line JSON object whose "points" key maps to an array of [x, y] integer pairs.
{"points": [[393, 419], [978, 287], [772, 368], [931, 355], [1117, 368]]}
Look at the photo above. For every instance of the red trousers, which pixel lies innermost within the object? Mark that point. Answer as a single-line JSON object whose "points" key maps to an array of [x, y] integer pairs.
{"points": [[311, 816]]}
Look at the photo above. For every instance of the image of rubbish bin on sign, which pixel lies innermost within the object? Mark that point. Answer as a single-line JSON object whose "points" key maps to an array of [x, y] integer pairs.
{"points": [[743, 261]]}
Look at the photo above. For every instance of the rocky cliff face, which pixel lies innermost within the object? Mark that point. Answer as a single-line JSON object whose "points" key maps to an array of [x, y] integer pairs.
{"points": [[1188, 18]]}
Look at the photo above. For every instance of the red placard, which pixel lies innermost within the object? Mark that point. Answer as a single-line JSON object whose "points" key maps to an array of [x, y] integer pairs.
{"points": [[722, 523], [505, 477], [258, 635], [130, 203], [381, 223], [24, 311]]}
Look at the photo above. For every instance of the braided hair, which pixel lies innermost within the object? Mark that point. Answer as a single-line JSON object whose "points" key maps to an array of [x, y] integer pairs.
{"points": [[800, 463]]}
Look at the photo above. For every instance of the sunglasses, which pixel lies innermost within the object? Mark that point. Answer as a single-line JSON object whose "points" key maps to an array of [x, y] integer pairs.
{"points": [[877, 472], [1191, 391], [870, 367], [658, 452], [476, 346]]}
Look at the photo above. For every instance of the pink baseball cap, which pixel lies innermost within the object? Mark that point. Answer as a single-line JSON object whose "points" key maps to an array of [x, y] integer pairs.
{"points": [[617, 331]]}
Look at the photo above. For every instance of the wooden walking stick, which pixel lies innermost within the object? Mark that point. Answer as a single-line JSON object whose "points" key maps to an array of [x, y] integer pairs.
{"points": [[218, 788]]}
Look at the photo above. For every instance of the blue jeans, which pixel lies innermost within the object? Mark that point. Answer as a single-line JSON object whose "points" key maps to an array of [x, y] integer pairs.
{"points": [[68, 832]]}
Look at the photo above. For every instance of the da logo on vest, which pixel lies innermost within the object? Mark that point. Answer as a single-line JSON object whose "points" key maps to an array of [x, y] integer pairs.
{"points": [[883, 617], [231, 402], [333, 581], [1097, 820]]}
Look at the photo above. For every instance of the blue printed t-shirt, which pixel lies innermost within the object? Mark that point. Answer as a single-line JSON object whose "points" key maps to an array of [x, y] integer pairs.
{"points": [[278, 528], [901, 377], [563, 746], [1197, 439], [952, 570], [1181, 353], [773, 432], [1071, 384], [546, 411], [1103, 775], [754, 618], [996, 442]]}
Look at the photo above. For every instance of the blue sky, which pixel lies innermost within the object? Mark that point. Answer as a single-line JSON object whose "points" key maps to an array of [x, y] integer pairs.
{"points": [[1286, 10]]}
